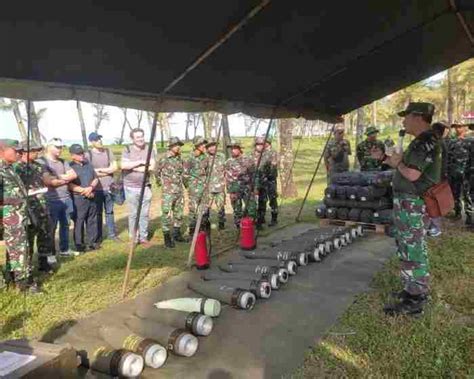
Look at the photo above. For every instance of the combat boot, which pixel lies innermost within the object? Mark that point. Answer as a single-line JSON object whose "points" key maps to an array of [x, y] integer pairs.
{"points": [[168, 240], [408, 305], [177, 236], [45, 266], [274, 220]]}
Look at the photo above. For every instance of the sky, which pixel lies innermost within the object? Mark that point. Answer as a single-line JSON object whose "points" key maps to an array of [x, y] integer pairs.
{"points": [[61, 120]]}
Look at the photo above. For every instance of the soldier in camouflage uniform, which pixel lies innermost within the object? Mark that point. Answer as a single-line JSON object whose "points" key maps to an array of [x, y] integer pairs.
{"points": [[260, 178], [336, 156], [458, 159], [217, 181], [418, 169], [239, 172], [34, 177], [14, 217], [169, 175], [271, 175], [364, 151], [195, 174]]}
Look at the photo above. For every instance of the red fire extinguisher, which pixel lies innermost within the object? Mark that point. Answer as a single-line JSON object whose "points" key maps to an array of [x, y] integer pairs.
{"points": [[201, 253], [247, 234]]}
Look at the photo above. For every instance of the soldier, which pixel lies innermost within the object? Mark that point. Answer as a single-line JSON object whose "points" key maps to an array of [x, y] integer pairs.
{"points": [[239, 171], [169, 175], [260, 179], [271, 174], [217, 181], [458, 159], [364, 149], [195, 173], [14, 218], [418, 169], [337, 154], [35, 177]]}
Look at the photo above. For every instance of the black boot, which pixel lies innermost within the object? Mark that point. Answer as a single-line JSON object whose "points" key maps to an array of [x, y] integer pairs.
{"points": [[274, 220], [44, 266], [177, 236], [168, 240], [408, 305], [221, 225]]}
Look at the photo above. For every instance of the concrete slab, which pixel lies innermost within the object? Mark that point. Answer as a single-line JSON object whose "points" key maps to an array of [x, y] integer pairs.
{"points": [[270, 340]]}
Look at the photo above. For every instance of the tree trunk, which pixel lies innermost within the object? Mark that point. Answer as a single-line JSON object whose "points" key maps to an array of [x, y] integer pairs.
{"points": [[226, 135], [35, 133], [82, 124], [19, 119], [286, 159], [449, 96], [186, 131], [125, 121], [208, 120], [374, 113], [359, 132]]}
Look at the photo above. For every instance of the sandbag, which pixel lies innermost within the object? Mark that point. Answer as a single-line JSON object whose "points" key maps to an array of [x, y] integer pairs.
{"points": [[321, 211], [330, 191], [341, 192], [379, 204], [331, 213], [370, 193], [367, 215], [343, 213], [354, 214], [351, 192], [384, 216]]}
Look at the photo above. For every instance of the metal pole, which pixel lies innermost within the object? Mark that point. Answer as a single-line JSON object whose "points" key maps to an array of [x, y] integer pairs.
{"points": [[203, 200], [139, 209], [314, 174]]}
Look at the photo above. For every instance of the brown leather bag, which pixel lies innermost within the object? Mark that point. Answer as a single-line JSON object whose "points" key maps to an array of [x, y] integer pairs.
{"points": [[439, 199]]}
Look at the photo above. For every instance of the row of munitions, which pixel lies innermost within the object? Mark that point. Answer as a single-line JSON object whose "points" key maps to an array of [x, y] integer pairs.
{"points": [[172, 325]]}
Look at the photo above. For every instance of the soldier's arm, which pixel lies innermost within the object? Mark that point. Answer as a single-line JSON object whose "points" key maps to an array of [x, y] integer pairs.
{"points": [[70, 174]]}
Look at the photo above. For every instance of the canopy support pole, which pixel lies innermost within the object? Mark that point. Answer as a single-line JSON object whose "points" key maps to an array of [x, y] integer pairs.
{"points": [[314, 173], [462, 21]]}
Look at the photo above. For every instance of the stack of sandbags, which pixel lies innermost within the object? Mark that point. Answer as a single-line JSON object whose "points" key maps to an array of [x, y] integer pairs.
{"points": [[359, 196]]}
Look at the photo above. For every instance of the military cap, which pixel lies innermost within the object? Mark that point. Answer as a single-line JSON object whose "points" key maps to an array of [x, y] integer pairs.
{"points": [[371, 130], [173, 141], [418, 108], [259, 140], [212, 141], [458, 124], [75, 148], [235, 143], [339, 129], [8, 142], [33, 146], [198, 140]]}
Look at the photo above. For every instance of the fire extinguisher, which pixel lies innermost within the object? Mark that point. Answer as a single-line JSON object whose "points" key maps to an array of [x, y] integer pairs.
{"points": [[201, 253], [247, 234]]}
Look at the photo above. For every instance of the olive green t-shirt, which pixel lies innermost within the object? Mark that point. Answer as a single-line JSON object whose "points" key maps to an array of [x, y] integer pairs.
{"points": [[423, 154]]}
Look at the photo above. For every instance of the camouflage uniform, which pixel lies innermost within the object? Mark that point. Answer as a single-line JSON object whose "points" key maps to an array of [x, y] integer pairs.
{"points": [[195, 174], [410, 218], [457, 167], [239, 175], [169, 175], [14, 221], [367, 163], [217, 186], [469, 177], [32, 175], [336, 157]]}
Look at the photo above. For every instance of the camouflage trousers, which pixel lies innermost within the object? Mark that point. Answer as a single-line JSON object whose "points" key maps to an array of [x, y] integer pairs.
{"points": [[410, 221], [172, 205], [461, 189], [242, 199], [40, 231], [267, 194], [195, 193], [18, 264], [218, 200]]}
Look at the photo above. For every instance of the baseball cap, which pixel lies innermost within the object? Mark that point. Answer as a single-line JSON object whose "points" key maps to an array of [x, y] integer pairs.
{"points": [[58, 142], [371, 130], [212, 141], [198, 140], [33, 146], [235, 143], [174, 141], [76, 149], [94, 136], [7, 142]]}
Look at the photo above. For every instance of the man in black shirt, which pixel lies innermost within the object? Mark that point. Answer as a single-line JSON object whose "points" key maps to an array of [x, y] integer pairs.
{"points": [[85, 210]]}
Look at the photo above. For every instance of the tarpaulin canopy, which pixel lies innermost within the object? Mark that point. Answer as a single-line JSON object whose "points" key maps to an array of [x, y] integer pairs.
{"points": [[315, 59]]}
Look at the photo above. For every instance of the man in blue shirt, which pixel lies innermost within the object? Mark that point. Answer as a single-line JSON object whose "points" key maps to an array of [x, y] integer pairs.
{"points": [[85, 209]]}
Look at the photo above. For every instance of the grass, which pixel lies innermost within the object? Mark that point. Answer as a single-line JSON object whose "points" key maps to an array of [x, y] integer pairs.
{"points": [[362, 343], [365, 343]]}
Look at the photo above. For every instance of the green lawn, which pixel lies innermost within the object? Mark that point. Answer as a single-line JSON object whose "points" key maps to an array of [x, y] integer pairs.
{"points": [[362, 343]]}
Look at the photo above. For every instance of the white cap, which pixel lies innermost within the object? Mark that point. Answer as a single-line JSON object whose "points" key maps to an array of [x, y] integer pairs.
{"points": [[155, 356], [131, 365]]}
